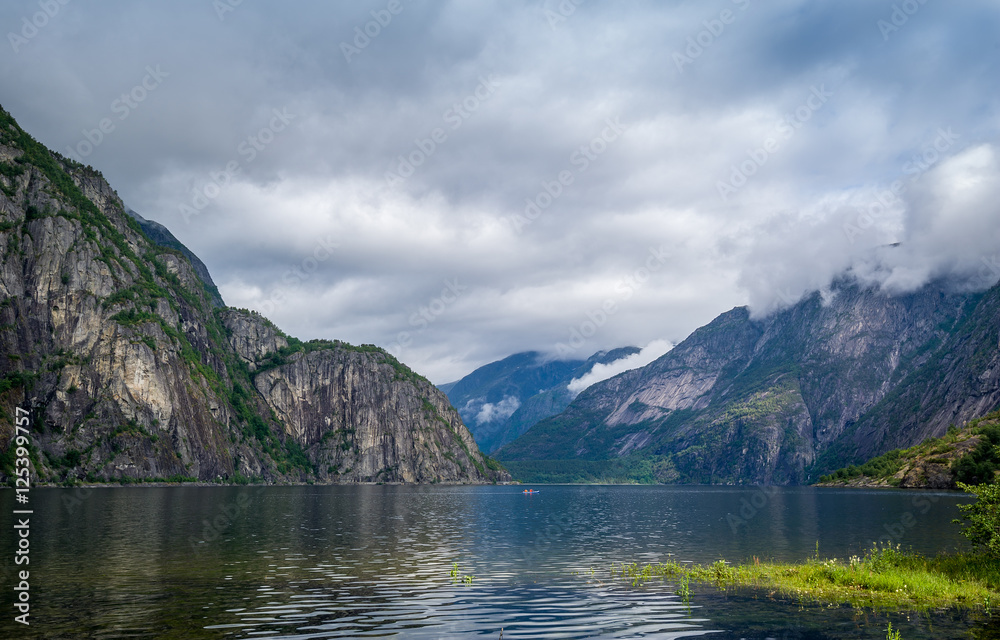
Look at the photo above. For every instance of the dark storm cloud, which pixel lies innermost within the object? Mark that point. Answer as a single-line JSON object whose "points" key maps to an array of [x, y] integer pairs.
{"points": [[664, 161]]}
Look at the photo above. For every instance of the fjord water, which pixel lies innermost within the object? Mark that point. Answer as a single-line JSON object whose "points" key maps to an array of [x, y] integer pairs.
{"points": [[376, 561]]}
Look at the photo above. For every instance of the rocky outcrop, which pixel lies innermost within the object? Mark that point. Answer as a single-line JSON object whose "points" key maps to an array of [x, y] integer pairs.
{"points": [[831, 380], [356, 412], [954, 378], [252, 336], [131, 371], [929, 465], [934, 472]]}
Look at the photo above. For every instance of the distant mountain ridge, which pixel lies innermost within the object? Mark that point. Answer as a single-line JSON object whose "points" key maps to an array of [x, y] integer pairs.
{"points": [[501, 400], [780, 400]]}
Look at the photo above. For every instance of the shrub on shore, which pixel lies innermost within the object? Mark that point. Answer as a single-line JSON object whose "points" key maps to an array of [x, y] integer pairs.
{"points": [[981, 519]]}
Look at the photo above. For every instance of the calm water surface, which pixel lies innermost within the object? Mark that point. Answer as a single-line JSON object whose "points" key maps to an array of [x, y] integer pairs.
{"points": [[376, 561]]}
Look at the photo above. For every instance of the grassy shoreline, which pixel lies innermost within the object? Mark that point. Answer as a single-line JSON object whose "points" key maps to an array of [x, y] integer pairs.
{"points": [[884, 578]]}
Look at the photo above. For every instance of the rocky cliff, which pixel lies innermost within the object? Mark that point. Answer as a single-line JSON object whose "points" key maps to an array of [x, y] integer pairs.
{"points": [[833, 379], [355, 411], [131, 370]]}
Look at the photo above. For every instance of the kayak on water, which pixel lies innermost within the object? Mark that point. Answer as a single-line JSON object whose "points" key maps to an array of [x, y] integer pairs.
{"points": [[530, 491]]}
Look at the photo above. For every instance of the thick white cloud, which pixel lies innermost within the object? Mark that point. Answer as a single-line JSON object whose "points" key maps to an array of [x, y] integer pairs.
{"points": [[940, 223], [599, 372], [450, 267], [497, 412]]}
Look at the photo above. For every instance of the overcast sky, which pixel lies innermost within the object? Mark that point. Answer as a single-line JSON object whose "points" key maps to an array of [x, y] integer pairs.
{"points": [[459, 181]]}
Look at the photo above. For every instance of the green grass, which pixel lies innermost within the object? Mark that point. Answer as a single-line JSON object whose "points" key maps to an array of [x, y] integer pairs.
{"points": [[884, 578]]}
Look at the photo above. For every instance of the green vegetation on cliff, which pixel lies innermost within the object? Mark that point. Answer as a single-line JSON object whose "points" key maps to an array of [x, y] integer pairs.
{"points": [[970, 455], [726, 443]]}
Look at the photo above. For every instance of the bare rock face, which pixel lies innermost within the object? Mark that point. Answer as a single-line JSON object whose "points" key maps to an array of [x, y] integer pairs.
{"points": [[783, 399], [252, 336], [131, 371], [359, 414]]}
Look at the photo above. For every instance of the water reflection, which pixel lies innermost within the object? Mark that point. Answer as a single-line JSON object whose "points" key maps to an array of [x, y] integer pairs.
{"points": [[338, 562]]}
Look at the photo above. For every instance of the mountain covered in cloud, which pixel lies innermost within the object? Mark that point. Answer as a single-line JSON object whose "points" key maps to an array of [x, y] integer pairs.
{"points": [[837, 136], [836, 378], [503, 399]]}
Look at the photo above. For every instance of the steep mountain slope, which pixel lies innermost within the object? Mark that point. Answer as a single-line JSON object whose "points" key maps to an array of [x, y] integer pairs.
{"points": [[501, 400], [781, 399], [956, 378], [130, 372], [161, 236]]}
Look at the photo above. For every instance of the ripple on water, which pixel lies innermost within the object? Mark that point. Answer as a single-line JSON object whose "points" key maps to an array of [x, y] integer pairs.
{"points": [[402, 605], [349, 562]]}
